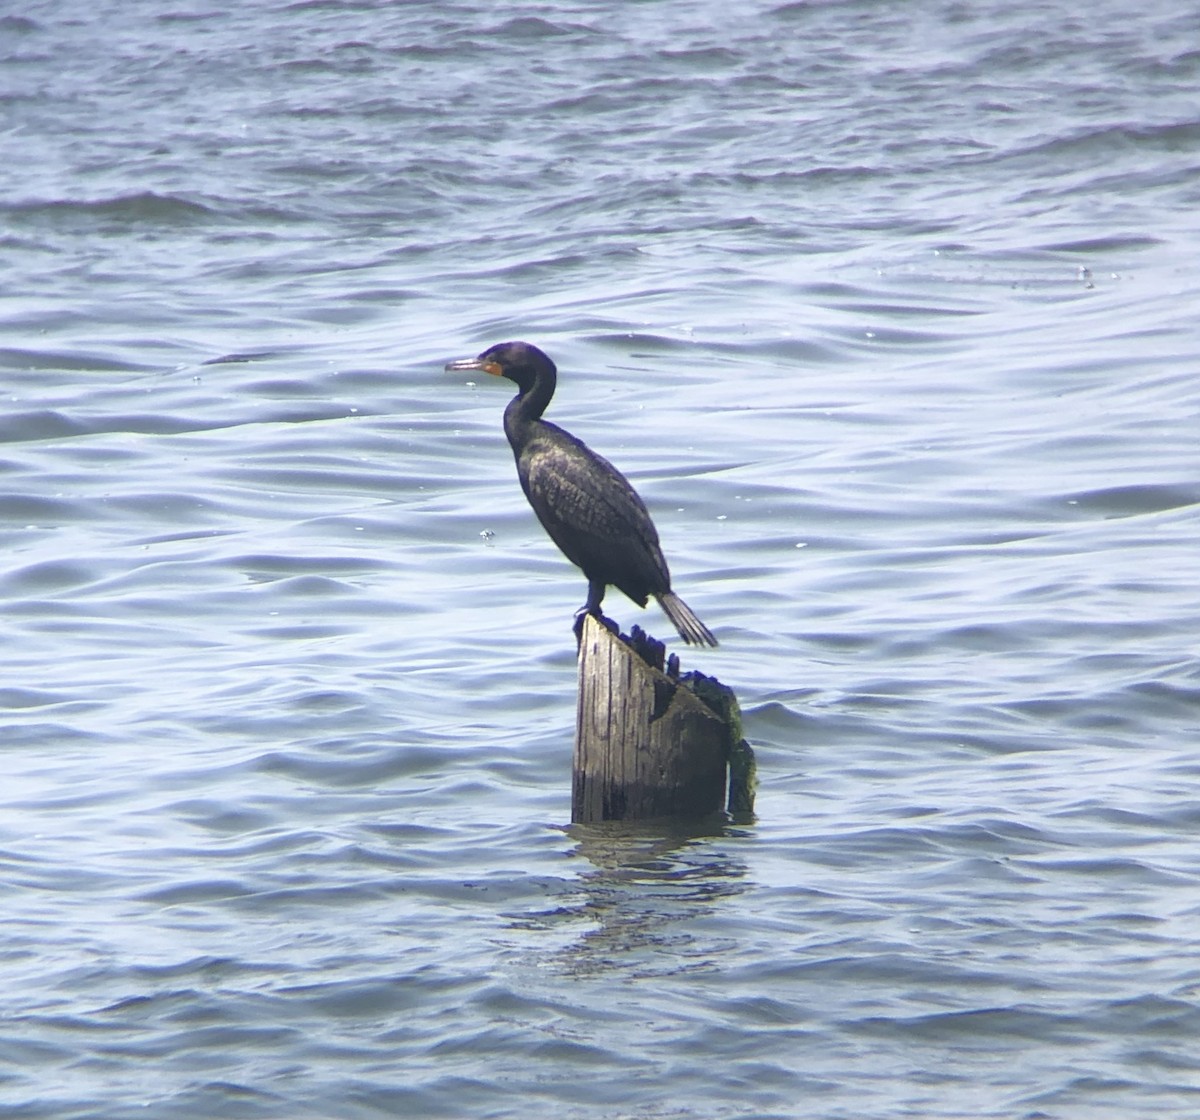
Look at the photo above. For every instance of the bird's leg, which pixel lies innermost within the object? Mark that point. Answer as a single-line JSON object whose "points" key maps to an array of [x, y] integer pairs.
{"points": [[596, 590]]}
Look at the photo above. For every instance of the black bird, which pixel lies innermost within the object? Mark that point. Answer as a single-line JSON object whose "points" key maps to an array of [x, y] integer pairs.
{"points": [[586, 505]]}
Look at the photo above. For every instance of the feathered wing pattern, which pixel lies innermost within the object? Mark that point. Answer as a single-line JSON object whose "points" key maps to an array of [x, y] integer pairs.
{"points": [[601, 524], [593, 514]]}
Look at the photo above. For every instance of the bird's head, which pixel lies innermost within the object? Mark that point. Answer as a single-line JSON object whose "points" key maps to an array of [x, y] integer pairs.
{"points": [[518, 361]]}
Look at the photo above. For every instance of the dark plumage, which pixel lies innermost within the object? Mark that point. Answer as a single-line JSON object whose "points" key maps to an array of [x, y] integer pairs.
{"points": [[586, 505]]}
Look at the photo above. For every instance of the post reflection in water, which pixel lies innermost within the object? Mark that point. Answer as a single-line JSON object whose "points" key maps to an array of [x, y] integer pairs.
{"points": [[645, 893]]}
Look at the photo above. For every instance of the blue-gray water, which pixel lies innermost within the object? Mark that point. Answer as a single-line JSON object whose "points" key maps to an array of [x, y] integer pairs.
{"points": [[890, 311]]}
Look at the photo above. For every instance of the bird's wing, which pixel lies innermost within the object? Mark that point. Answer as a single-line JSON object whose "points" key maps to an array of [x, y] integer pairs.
{"points": [[580, 496]]}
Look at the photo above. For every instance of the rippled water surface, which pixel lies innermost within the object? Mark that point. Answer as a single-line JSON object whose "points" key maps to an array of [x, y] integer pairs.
{"points": [[889, 312]]}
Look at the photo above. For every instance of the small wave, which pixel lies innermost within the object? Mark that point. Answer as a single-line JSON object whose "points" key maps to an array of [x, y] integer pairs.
{"points": [[1108, 244], [526, 28], [12, 358], [142, 206], [18, 427], [243, 357], [140, 209], [1077, 147], [47, 577], [34, 508], [18, 25], [1131, 501]]}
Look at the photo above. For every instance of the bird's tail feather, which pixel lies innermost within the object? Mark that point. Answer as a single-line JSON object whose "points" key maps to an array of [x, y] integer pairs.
{"points": [[690, 628]]}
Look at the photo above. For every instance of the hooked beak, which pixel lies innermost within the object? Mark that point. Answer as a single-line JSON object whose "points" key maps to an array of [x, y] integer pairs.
{"points": [[474, 365]]}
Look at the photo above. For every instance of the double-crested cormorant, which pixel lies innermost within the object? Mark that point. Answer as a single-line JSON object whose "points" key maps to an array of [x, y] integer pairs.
{"points": [[586, 505]]}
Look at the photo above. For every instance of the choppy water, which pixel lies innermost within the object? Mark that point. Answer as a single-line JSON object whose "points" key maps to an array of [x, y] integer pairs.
{"points": [[889, 311]]}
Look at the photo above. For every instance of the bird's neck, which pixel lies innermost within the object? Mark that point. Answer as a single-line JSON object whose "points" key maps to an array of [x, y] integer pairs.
{"points": [[525, 410]]}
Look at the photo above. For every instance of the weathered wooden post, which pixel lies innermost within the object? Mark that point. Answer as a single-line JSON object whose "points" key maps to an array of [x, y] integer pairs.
{"points": [[649, 743]]}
